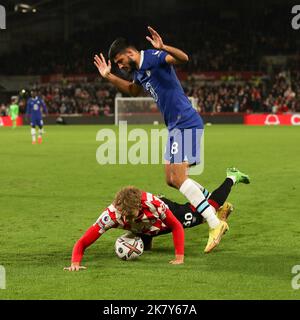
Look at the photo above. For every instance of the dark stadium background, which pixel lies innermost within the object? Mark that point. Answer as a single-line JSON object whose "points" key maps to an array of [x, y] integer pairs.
{"points": [[244, 55]]}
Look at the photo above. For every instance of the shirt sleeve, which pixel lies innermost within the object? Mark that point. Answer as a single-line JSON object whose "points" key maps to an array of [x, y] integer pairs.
{"points": [[168, 218], [103, 223], [28, 107], [158, 57], [44, 106], [177, 231], [90, 236], [135, 80]]}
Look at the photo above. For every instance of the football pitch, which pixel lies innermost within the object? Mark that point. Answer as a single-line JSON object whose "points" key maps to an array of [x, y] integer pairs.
{"points": [[51, 193]]}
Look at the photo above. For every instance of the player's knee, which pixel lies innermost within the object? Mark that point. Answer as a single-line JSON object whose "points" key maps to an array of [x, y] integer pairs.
{"points": [[147, 240], [169, 181], [174, 181], [177, 182]]}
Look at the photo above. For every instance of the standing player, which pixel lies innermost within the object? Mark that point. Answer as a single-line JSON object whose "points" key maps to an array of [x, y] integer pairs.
{"points": [[153, 71], [34, 106], [14, 111]]}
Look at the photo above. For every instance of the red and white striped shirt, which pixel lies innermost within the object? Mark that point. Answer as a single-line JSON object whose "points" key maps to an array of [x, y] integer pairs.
{"points": [[154, 217], [149, 220]]}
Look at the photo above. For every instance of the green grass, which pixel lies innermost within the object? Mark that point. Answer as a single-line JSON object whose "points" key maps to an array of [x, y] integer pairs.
{"points": [[51, 193]]}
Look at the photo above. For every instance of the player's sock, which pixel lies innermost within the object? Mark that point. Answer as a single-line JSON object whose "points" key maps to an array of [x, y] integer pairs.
{"points": [[198, 200], [233, 179], [203, 190], [147, 240], [33, 133], [40, 136], [219, 196]]}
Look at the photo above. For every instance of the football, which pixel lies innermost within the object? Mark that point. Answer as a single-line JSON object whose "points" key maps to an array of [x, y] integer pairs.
{"points": [[129, 248]]}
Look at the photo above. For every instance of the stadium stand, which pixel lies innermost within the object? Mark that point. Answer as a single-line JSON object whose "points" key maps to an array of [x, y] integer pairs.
{"points": [[233, 41]]}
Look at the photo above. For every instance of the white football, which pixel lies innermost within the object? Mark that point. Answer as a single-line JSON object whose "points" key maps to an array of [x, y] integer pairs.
{"points": [[129, 248]]}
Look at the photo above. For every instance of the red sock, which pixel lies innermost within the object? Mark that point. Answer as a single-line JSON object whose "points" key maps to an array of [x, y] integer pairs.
{"points": [[214, 204]]}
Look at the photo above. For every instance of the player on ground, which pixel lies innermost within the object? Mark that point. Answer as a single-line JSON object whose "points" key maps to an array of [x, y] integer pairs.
{"points": [[14, 111], [153, 71], [34, 109], [148, 216]]}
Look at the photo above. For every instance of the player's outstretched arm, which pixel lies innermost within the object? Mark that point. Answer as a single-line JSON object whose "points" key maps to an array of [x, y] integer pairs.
{"points": [[178, 236], [44, 107], [125, 86], [103, 223], [27, 112], [90, 236], [175, 56]]}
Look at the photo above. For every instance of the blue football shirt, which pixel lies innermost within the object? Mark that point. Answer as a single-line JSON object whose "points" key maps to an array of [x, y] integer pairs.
{"points": [[159, 79], [34, 106]]}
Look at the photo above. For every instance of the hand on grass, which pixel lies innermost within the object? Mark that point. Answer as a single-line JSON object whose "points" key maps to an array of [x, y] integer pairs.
{"points": [[179, 259], [75, 266]]}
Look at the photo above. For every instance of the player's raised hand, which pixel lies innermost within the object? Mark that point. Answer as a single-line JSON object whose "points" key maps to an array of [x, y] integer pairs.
{"points": [[103, 67], [75, 267], [155, 39]]}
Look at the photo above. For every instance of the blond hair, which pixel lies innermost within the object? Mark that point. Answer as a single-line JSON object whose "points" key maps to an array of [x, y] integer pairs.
{"points": [[128, 200]]}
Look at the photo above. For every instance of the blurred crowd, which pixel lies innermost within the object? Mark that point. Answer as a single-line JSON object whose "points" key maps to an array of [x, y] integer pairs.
{"points": [[223, 42], [278, 95], [94, 98], [73, 98]]}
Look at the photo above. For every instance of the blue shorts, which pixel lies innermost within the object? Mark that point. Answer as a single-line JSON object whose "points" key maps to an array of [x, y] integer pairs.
{"points": [[184, 145], [36, 122]]}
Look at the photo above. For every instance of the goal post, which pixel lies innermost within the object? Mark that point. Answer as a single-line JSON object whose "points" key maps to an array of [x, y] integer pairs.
{"points": [[140, 110]]}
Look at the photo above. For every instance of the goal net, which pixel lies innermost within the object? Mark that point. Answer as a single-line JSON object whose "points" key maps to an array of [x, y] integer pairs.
{"points": [[140, 110]]}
